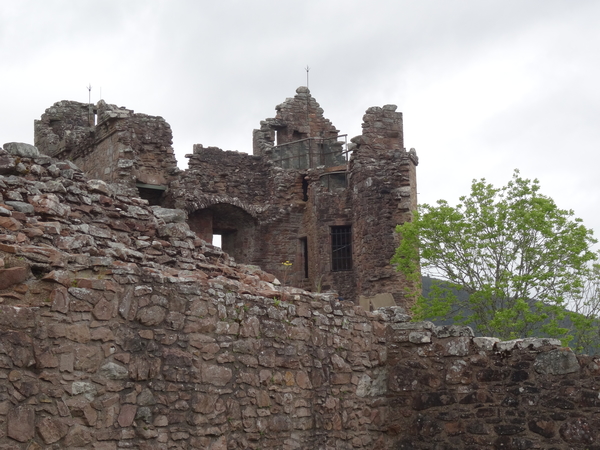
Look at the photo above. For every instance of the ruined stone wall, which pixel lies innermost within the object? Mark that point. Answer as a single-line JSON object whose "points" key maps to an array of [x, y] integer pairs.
{"points": [[266, 212], [299, 120], [450, 390], [256, 205], [215, 174], [121, 329], [299, 117], [138, 147], [108, 143], [64, 128], [302, 117]]}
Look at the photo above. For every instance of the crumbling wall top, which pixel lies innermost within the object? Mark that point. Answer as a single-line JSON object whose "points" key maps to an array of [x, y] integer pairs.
{"points": [[109, 142], [108, 111], [301, 117], [63, 126], [299, 136]]}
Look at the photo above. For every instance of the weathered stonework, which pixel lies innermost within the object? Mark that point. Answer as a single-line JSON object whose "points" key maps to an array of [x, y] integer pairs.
{"points": [[299, 136], [109, 143], [121, 328], [284, 203]]}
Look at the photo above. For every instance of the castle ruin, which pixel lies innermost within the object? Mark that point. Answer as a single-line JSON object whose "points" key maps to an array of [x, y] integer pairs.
{"points": [[121, 326], [306, 196]]}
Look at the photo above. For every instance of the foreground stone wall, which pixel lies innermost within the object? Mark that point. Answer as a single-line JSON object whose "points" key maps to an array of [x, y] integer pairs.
{"points": [[120, 328], [449, 390]]}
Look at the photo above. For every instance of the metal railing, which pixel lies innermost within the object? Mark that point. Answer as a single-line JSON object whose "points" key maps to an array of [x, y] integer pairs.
{"points": [[312, 152]]}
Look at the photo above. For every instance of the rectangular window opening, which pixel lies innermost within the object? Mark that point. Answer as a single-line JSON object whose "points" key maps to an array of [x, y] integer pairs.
{"points": [[304, 250], [341, 248], [152, 193], [304, 189]]}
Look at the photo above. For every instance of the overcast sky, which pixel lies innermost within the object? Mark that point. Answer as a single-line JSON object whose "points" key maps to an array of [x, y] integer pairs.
{"points": [[486, 86]]}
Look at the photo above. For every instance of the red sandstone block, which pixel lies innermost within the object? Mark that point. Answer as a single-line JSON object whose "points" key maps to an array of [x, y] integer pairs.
{"points": [[59, 276], [8, 248], [21, 423], [33, 232], [12, 276], [10, 223], [19, 216]]}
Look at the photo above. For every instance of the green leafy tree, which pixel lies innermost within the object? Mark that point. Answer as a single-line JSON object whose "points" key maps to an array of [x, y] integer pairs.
{"points": [[584, 313], [518, 256]]}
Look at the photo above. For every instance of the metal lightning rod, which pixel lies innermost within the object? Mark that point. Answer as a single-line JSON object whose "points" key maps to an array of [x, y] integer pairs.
{"points": [[89, 88], [307, 69]]}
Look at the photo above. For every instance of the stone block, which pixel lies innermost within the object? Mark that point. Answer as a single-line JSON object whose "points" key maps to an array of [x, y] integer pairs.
{"points": [[7, 164], [433, 399], [21, 423], [446, 331], [59, 276], [78, 333], [127, 415], [25, 208], [99, 186], [104, 310], [419, 337], [13, 276], [52, 429], [113, 371], [21, 149], [49, 204], [458, 346], [66, 362], [216, 375], [543, 426], [78, 436], [169, 215], [17, 317], [485, 343], [10, 223], [152, 315], [557, 362], [341, 378]]}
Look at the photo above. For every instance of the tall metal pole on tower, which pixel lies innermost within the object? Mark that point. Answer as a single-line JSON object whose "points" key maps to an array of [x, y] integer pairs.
{"points": [[89, 88], [310, 156], [307, 69]]}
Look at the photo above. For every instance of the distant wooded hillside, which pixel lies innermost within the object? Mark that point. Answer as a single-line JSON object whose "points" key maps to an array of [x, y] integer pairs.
{"points": [[592, 348]]}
